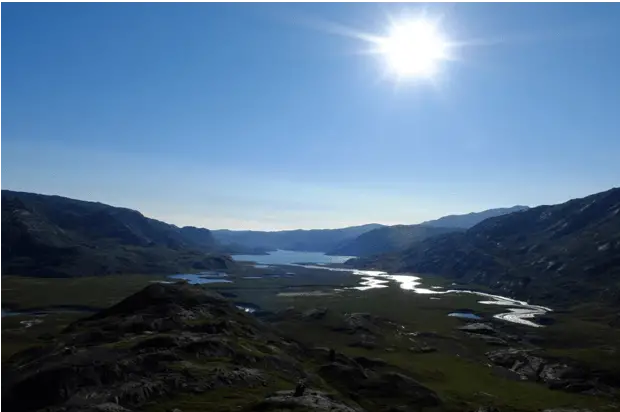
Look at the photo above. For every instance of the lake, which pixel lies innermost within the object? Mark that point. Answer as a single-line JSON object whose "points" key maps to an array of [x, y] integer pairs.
{"points": [[288, 257]]}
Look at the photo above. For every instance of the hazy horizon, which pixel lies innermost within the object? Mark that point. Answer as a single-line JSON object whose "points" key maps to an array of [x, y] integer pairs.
{"points": [[192, 222], [276, 116]]}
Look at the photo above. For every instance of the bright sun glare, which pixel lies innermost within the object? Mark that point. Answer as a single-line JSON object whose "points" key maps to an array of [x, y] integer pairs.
{"points": [[414, 49]]}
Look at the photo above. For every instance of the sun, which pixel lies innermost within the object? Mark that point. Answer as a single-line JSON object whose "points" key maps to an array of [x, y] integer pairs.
{"points": [[414, 49]]}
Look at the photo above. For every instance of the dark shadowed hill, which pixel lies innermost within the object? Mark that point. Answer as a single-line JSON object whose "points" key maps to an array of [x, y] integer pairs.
{"points": [[562, 253], [315, 240], [56, 236], [471, 219], [388, 239]]}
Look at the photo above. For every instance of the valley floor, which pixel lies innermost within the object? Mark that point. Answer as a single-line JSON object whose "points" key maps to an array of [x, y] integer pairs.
{"points": [[405, 331]]}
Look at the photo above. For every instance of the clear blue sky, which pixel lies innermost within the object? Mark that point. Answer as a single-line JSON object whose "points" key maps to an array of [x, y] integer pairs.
{"points": [[269, 117]]}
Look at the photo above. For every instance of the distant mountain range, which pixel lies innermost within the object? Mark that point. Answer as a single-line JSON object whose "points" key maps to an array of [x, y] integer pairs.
{"points": [[314, 240], [556, 253], [388, 239], [393, 238], [561, 253], [471, 219], [56, 236], [362, 240]]}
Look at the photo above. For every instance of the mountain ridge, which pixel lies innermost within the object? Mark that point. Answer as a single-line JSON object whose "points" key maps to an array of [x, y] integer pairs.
{"points": [[467, 220], [47, 235], [556, 253], [393, 238], [310, 240]]}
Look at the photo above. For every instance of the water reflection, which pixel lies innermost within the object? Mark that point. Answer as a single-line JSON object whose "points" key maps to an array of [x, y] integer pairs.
{"points": [[518, 312], [198, 279]]}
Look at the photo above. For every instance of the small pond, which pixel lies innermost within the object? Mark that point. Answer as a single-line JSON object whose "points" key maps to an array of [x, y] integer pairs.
{"points": [[465, 315]]}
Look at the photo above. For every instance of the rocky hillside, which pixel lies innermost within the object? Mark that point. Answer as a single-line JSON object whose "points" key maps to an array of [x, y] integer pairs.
{"points": [[562, 253], [180, 346], [315, 240], [388, 239], [56, 236]]}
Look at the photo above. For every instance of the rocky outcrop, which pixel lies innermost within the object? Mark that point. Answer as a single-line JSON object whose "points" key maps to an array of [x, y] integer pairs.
{"points": [[555, 373]]}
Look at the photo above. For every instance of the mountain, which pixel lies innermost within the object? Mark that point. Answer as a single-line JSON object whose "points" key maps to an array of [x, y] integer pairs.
{"points": [[57, 236], [563, 253], [315, 240], [471, 219], [393, 238], [388, 239]]}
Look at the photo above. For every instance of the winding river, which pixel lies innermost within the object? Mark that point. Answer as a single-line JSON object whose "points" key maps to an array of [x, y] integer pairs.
{"points": [[516, 311]]}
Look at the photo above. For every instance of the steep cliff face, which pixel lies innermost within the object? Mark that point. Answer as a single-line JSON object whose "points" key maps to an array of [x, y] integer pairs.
{"points": [[566, 252]]}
